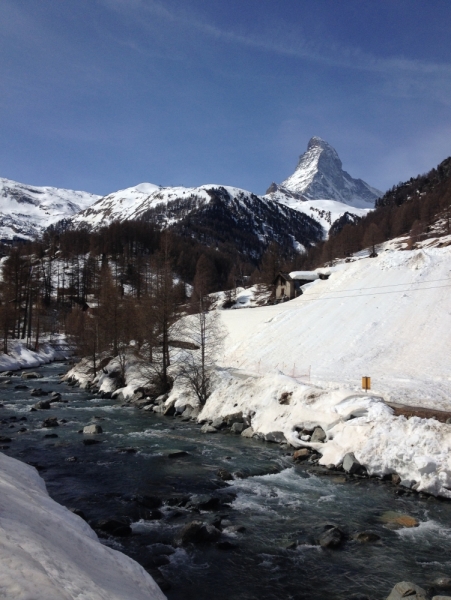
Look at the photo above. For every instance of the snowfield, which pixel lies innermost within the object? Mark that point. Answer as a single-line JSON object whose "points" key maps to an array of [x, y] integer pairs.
{"points": [[48, 553]]}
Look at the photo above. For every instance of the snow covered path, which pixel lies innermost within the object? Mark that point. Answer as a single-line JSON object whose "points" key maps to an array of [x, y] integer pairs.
{"points": [[48, 553]]}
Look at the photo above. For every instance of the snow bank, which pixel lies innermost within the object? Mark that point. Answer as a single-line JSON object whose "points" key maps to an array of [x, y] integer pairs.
{"points": [[417, 449], [20, 357], [48, 553]]}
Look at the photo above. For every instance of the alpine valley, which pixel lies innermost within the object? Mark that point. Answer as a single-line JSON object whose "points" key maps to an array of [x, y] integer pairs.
{"points": [[296, 214]]}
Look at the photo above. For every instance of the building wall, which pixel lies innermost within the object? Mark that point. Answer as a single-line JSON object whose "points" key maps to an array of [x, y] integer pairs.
{"points": [[287, 286]]}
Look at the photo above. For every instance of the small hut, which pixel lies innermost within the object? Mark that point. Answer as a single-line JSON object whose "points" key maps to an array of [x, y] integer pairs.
{"points": [[289, 285]]}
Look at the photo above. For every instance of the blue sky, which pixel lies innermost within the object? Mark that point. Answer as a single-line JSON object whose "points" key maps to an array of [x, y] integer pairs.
{"points": [[100, 95]]}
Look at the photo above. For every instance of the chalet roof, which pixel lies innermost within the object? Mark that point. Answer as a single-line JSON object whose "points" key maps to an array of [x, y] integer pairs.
{"points": [[304, 275]]}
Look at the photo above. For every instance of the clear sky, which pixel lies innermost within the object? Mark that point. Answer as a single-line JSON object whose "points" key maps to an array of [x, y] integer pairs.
{"points": [[100, 95]]}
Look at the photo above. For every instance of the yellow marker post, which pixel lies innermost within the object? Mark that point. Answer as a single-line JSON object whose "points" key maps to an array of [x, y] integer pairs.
{"points": [[366, 383]]}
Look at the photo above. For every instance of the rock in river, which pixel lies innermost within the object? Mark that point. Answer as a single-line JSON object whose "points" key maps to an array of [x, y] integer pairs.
{"points": [[406, 589], [92, 429], [197, 532], [42, 405], [332, 537]]}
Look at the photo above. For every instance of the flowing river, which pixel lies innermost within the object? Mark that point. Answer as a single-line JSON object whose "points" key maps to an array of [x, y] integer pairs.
{"points": [[283, 507]]}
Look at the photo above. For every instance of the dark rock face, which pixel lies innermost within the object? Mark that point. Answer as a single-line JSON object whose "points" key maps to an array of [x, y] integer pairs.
{"points": [[50, 422]]}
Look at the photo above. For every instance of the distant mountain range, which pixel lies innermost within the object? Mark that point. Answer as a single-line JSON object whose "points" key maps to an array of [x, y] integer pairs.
{"points": [[26, 210], [296, 213]]}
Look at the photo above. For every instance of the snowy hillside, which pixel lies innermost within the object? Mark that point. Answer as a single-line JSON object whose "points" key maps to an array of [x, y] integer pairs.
{"points": [[212, 213], [134, 202], [25, 211], [325, 212], [383, 317], [319, 175], [298, 365], [48, 553]]}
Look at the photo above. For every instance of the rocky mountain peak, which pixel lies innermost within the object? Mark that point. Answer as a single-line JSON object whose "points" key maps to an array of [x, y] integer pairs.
{"points": [[319, 175]]}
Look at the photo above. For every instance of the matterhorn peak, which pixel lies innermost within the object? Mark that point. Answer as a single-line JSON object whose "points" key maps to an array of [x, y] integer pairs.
{"points": [[319, 175]]}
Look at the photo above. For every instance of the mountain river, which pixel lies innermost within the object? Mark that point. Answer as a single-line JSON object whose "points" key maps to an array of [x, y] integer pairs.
{"points": [[281, 506]]}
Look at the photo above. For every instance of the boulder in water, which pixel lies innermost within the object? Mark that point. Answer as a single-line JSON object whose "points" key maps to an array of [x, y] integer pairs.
{"points": [[332, 537], [92, 429], [406, 589], [197, 532], [31, 375]]}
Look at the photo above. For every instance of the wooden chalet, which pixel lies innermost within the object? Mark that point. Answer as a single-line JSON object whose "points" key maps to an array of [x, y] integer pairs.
{"points": [[289, 285]]}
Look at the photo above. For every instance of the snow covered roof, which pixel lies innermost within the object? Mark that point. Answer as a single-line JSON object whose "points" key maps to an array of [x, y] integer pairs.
{"points": [[305, 275]]}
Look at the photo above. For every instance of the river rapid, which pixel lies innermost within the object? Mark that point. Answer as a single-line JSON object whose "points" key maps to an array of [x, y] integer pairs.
{"points": [[283, 507]]}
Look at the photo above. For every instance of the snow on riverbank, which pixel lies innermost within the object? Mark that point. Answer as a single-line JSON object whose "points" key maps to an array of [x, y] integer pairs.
{"points": [[48, 553], [20, 357], [419, 450]]}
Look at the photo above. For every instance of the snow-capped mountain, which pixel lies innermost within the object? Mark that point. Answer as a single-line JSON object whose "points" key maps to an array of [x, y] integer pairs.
{"points": [[319, 175], [213, 214], [26, 211], [321, 189]]}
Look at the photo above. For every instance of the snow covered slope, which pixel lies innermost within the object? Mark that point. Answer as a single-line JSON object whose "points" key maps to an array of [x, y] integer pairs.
{"points": [[319, 175], [134, 202], [213, 213], [25, 211], [325, 212], [48, 553], [384, 317], [298, 365]]}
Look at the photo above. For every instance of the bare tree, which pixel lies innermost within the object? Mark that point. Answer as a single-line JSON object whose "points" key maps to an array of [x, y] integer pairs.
{"points": [[204, 336]]}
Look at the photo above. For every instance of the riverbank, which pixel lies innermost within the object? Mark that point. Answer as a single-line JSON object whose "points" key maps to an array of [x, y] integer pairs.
{"points": [[49, 553], [157, 475], [21, 357]]}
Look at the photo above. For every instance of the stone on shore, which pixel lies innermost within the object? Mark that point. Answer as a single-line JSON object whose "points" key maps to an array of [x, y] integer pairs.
{"points": [[238, 428], [248, 433], [350, 464], [301, 454], [208, 429], [276, 437], [318, 435]]}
